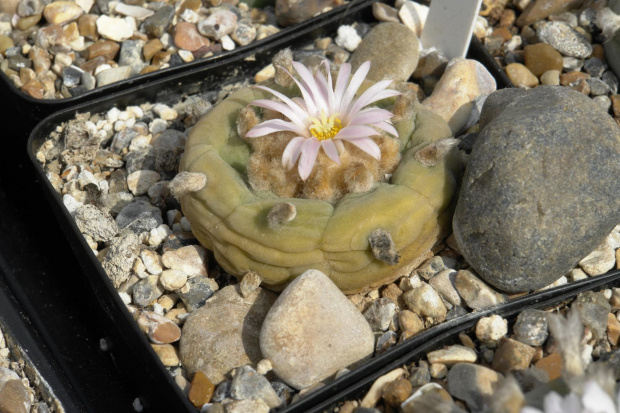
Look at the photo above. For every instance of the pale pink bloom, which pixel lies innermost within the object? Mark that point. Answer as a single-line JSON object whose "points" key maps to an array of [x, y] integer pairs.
{"points": [[593, 400], [325, 116]]}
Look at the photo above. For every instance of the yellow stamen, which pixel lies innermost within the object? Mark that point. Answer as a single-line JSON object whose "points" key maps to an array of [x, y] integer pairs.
{"points": [[326, 128]]}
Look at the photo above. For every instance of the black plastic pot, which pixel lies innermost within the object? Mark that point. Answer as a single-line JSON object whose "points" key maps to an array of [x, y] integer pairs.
{"points": [[128, 344], [30, 111]]}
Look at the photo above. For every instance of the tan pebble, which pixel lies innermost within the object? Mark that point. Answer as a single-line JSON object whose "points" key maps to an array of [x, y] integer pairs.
{"points": [[451, 355], [376, 390], [265, 73], [187, 37], [139, 182], [552, 365], [34, 88], [349, 406], [264, 366], [571, 77], [173, 280], [26, 23], [148, 69], [502, 32], [87, 26], [614, 300], [167, 301], [150, 48], [173, 315], [598, 51], [192, 260], [396, 392], [5, 43], [323, 42], [467, 341], [507, 18], [613, 329], [61, 12], [520, 75], [201, 389], [167, 354], [114, 28], [158, 328], [50, 36], [250, 282], [512, 355], [541, 57], [551, 78], [615, 104], [438, 370], [581, 86], [106, 48], [410, 322], [540, 9]]}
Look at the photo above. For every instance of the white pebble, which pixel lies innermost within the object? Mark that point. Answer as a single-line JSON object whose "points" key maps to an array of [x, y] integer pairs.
{"points": [[158, 125], [139, 143], [91, 127], [348, 38], [71, 203], [186, 56], [124, 115], [102, 68], [491, 328], [165, 112], [130, 122], [112, 115], [413, 15], [264, 366], [173, 216], [113, 28], [513, 43], [159, 234], [101, 123], [139, 182], [227, 43], [152, 261], [119, 125], [190, 16], [187, 227], [158, 309], [125, 298], [136, 111]]}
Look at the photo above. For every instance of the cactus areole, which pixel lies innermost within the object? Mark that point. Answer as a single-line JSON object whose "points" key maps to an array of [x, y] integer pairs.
{"points": [[363, 206]]}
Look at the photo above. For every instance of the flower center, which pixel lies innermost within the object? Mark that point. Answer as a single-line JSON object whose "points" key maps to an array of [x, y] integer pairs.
{"points": [[325, 128]]}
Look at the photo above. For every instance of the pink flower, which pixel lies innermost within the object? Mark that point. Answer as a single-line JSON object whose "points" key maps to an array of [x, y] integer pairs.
{"points": [[325, 117]]}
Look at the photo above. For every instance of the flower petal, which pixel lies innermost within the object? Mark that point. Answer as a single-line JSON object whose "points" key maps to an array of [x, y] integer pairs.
{"points": [[282, 108], [355, 132], [310, 82], [354, 85], [291, 152], [309, 151], [595, 399], [331, 98], [330, 150], [322, 95], [374, 93], [271, 126], [367, 145], [299, 111], [388, 127], [341, 84], [370, 115], [309, 105]]}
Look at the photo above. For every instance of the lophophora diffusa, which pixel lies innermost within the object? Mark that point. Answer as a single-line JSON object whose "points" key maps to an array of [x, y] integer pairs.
{"points": [[355, 170]]}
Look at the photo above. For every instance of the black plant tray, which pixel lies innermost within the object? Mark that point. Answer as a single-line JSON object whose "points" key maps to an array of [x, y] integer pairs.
{"points": [[24, 344], [355, 385], [128, 345], [30, 110]]}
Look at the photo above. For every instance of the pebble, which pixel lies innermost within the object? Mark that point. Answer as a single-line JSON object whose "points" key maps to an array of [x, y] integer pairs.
{"points": [[113, 28], [380, 314], [473, 384], [196, 291], [542, 57], [599, 261], [158, 328], [491, 329], [444, 284], [297, 333], [120, 257], [452, 355], [147, 291], [454, 95], [201, 389], [14, 397], [531, 327], [167, 354], [564, 39], [521, 76], [550, 78], [139, 217], [223, 334], [93, 222], [413, 15], [191, 260], [538, 10], [426, 302], [61, 12], [391, 48], [593, 309], [476, 294], [385, 13], [245, 406], [250, 282], [410, 322], [139, 182], [247, 384], [582, 126], [217, 25], [348, 38], [288, 13], [512, 355], [113, 75], [173, 280]]}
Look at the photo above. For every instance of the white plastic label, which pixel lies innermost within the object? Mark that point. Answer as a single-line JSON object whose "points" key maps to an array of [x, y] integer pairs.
{"points": [[449, 26]]}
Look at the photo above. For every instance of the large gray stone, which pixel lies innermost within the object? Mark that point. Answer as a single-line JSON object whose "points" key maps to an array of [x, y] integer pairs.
{"points": [[540, 191], [223, 334], [392, 49]]}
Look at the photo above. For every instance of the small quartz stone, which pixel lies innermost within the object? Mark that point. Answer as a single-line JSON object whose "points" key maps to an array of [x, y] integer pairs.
{"points": [[139, 182], [173, 280], [520, 75], [113, 28], [61, 12], [425, 301], [491, 328], [191, 260]]}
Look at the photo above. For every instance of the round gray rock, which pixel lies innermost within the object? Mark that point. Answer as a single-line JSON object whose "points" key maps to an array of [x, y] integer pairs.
{"points": [[540, 190], [223, 334], [392, 49]]}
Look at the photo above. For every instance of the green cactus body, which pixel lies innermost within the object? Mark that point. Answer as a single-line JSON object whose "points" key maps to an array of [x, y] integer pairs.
{"points": [[231, 219]]}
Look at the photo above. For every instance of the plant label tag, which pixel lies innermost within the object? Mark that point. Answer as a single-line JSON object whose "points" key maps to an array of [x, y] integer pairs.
{"points": [[449, 26]]}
